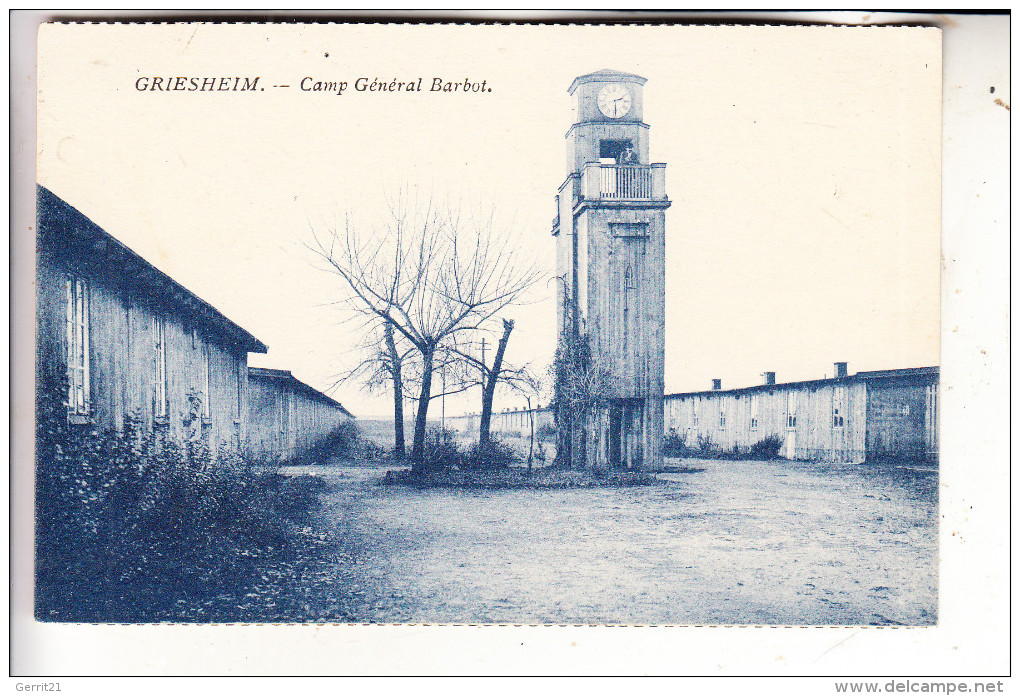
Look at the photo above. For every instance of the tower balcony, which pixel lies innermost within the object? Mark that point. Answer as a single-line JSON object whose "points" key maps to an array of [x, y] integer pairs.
{"points": [[620, 182]]}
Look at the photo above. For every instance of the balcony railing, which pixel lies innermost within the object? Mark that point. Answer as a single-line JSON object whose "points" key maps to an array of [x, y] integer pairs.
{"points": [[624, 181]]}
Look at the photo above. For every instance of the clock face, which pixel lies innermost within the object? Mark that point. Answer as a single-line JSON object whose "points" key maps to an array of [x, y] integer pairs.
{"points": [[614, 101]]}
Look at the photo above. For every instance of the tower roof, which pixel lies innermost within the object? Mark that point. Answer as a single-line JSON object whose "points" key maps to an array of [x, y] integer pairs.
{"points": [[606, 75]]}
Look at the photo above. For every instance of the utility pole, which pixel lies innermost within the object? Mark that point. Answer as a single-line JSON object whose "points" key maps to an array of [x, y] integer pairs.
{"points": [[484, 368]]}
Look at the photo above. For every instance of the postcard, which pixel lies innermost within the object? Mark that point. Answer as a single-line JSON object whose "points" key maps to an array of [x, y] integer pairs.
{"points": [[488, 325]]}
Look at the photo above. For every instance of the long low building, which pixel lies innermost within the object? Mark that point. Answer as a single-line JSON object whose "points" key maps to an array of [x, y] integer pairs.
{"points": [[288, 416], [506, 422], [885, 414], [123, 341]]}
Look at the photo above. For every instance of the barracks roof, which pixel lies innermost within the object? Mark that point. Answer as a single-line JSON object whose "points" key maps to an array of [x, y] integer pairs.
{"points": [[58, 218]]}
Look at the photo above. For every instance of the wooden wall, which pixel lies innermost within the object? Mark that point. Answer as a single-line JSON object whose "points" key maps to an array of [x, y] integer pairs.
{"points": [[516, 421], [122, 355], [625, 316], [724, 418], [902, 420], [286, 418]]}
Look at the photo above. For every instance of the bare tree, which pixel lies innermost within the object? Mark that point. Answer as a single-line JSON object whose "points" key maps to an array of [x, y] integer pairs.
{"points": [[430, 272], [520, 379], [531, 386], [393, 364], [381, 368]]}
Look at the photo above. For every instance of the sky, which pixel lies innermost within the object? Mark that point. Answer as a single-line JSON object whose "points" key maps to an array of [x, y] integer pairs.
{"points": [[803, 164]]}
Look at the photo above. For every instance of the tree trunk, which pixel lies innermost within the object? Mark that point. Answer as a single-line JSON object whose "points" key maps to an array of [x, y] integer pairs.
{"points": [[398, 393], [491, 379], [418, 447], [531, 440], [561, 421]]}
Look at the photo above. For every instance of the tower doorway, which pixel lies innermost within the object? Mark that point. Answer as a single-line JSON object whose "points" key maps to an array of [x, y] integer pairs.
{"points": [[626, 433], [615, 454]]}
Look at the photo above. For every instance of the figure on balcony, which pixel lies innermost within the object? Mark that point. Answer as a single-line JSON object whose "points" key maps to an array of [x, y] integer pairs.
{"points": [[628, 156]]}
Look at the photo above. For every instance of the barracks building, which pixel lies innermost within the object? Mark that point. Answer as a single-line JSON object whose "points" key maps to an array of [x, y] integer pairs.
{"points": [[134, 343]]}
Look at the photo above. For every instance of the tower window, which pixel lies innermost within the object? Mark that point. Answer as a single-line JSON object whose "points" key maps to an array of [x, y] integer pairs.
{"points": [[613, 149], [628, 285]]}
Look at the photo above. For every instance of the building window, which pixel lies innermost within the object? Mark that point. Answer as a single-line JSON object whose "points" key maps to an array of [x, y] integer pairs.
{"points": [[753, 405], [242, 378], [206, 380], [837, 417], [77, 346], [791, 409], [160, 407], [838, 407], [722, 418]]}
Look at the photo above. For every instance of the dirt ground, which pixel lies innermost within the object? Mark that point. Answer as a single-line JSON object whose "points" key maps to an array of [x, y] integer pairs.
{"points": [[741, 542]]}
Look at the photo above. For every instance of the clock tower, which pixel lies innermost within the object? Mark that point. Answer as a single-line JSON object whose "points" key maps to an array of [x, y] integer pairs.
{"points": [[610, 260]]}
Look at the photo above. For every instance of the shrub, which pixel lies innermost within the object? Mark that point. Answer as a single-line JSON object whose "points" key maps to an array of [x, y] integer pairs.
{"points": [[131, 526], [494, 454], [373, 451], [539, 454], [705, 443], [674, 444], [546, 430], [440, 450], [344, 442], [767, 448]]}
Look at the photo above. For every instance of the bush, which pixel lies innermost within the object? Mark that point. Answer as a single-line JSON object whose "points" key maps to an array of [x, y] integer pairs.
{"points": [[767, 448], [344, 442], [546, 430], [705, 445], [539, 454], [495, 454], [440, 450], [373, 451], [131, 526], [674, 444]]}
